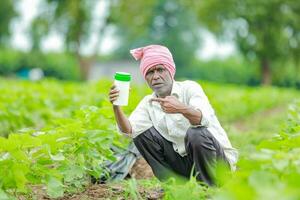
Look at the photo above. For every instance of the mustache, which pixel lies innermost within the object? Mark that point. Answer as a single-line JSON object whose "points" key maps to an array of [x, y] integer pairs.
{"points": [[156, 83]]}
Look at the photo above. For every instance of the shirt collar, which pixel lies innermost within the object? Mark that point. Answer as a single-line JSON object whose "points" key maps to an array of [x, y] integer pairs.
{"points": [[174, 92], [175, 89]]}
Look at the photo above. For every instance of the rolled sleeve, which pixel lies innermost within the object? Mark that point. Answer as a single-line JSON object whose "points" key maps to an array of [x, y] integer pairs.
{"points": [[199, 101], [204, 120], [139, 119], [121, 132]]}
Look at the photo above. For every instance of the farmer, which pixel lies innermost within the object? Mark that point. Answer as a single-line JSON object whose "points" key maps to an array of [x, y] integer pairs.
{"points": [[175, 128]]}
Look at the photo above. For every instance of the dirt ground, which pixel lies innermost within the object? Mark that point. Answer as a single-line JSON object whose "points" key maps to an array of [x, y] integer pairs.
{"points": [[102, 191], [140, 170]]}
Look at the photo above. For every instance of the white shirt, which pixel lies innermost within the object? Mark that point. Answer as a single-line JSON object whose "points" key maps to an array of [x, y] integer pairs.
{"points": [[173, 127]]}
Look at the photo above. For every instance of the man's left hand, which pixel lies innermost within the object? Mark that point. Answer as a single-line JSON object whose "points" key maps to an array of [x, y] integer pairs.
{"points": [[170, 104]]}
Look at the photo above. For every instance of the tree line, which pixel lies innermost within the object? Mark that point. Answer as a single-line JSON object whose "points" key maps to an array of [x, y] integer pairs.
{"points": [[263, 31]]}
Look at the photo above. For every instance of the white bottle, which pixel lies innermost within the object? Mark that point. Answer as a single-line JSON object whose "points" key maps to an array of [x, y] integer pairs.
{"points": [[122, 82]]}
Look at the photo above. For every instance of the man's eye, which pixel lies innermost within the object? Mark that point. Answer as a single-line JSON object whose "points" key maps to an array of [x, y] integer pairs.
{"points": [[149, 73], [161, 70]]}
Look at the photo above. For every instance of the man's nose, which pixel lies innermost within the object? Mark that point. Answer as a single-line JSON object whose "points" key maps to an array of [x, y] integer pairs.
{"points": [[155, 75]]}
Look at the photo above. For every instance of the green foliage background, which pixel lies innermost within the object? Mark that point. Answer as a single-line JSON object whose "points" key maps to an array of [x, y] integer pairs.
{"points": [[58, 65], [58, 134]]}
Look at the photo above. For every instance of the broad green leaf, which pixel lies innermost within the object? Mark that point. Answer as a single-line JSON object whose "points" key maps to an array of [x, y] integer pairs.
{"points": [[57, 157], [3, 195], [54, 188]]}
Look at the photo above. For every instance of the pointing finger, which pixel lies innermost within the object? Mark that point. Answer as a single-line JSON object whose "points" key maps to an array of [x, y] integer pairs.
{"points": [[158, 100]]}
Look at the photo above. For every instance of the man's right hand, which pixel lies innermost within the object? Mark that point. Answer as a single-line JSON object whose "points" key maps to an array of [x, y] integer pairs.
{"points": [[113, 94], [121, 119]]}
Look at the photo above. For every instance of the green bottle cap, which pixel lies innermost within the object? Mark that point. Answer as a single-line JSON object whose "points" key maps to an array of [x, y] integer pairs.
{"points": [[122, 76]]}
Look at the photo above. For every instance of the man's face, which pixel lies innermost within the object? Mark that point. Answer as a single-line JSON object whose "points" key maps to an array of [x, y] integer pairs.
{"points": [[159, 80]]}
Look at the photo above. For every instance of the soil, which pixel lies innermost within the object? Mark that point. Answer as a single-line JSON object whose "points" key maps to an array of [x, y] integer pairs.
{"points": [[100, 191], [140, 170]]}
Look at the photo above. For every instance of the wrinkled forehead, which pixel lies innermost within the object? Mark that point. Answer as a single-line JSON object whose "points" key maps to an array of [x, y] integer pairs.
{"points": [[156, 67]]}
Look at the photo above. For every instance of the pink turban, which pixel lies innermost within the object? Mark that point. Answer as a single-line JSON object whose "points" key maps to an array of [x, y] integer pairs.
{"points": [[154, 55]]}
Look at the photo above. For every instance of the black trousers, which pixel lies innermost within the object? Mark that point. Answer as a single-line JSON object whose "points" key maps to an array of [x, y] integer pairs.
{"points": [[203, 150]]}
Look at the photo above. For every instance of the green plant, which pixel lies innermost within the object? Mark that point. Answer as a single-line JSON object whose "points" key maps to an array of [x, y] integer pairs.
{"points": [[272, 170]]}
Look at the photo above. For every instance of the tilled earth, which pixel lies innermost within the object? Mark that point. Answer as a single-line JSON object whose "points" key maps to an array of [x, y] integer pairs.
{"points": [[140, 170]]}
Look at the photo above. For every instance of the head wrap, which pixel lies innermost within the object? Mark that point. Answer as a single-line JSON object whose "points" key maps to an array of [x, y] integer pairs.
{"points": [[154, 55]]}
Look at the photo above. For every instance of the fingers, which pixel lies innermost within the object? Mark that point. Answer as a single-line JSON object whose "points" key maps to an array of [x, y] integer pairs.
{"points": [[113, 97], [114, 91], [167, 98], [162, 103], [159, 100], [154, 99], [113, 94]]}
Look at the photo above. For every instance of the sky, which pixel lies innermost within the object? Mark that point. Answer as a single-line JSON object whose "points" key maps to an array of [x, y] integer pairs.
{"points": [[28, 9]]}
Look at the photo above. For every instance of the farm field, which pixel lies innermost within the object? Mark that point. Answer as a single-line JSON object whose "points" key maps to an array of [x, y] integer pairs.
{"points": [[55, 135]]}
